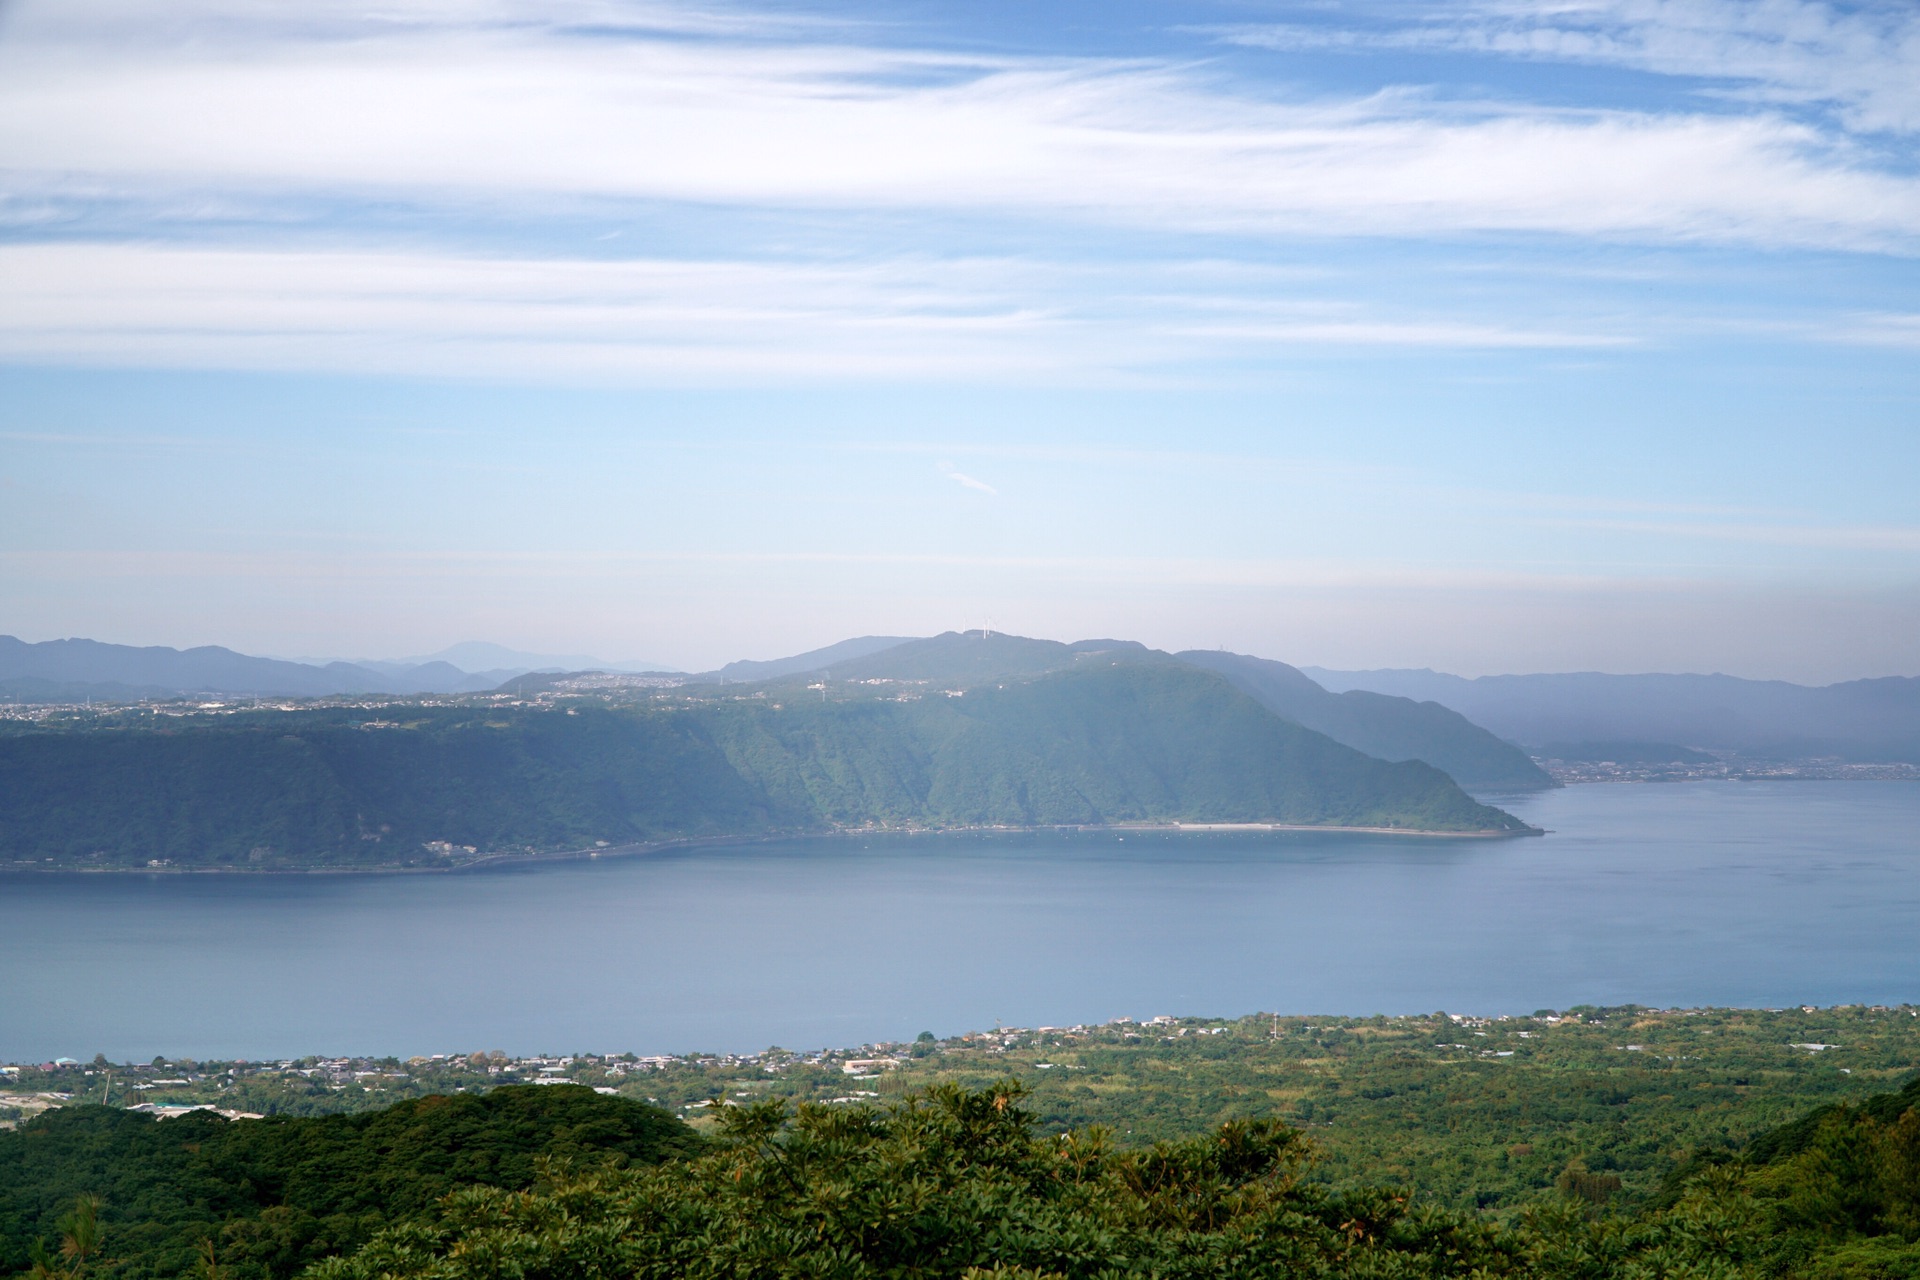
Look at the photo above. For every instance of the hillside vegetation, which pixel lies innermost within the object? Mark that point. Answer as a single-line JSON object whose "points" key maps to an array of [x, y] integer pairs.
{"points": [[953, 1182], [1593, 1143], [1472, 1113], [1389, 728], [942, 1182], [1102, 741], [278, 1194]]}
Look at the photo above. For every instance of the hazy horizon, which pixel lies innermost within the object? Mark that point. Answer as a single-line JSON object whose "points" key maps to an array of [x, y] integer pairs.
{"points": [[577, 661]]}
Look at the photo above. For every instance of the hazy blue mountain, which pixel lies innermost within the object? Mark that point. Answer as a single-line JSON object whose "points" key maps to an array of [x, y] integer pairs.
{"points": [[803, 663], [1392, 728], [73, 670], [476, 656], [1875, 719], [208, 669]]}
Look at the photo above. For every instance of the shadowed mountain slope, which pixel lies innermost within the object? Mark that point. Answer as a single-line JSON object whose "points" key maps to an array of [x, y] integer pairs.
{"points": [[1128, 738], [1389, 728], [1381, 725]]}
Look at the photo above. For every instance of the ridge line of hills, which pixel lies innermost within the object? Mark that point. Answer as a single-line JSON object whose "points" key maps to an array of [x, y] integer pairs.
{"points": [[1571, 715], [1870, 720], [1385, 727], [956, 731], [1375, 724], [1389, 728]]}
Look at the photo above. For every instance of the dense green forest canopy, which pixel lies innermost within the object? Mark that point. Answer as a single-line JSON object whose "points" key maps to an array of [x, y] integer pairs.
{"points": [[945, 1181], [956, 1182], [1105, 739], [280, 1193]]}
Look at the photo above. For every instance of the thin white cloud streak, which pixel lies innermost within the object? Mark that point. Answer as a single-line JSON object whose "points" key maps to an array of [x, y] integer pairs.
{"points": [[1862, 62], [1363, 333], [133, 22], [654, 321], [528, 110], [1887, 330], [966, 481]]}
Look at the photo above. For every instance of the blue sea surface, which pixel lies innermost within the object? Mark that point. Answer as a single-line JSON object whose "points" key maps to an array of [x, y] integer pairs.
{"points": [[1753, 894]]}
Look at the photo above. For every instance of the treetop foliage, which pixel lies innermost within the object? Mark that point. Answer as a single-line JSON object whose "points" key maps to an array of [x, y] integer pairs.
{"points": [[277, 1194], [950, 1182], [947, 1181]]}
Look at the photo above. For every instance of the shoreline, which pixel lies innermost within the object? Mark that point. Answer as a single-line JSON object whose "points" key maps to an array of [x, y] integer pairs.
{"points": [[643, 848]]}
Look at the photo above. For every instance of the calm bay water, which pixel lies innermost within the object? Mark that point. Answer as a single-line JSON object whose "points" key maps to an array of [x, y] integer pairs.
{"points": [[1712, 893]]}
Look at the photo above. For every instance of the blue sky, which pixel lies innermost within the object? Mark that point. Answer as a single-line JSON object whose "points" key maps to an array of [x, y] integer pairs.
{"points": [[1482, 336]]}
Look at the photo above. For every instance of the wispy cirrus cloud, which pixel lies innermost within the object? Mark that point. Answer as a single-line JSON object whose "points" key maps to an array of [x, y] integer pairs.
{"points": [[1862, 62], [500, 101], [678, 320], [132, 23], [1896, 329], [260, 152]]}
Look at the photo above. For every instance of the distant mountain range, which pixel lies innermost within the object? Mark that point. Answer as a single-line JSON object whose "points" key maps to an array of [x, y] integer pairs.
{"points": [[1860, 720], [1467, 727], [952, 731], [72, 670]]}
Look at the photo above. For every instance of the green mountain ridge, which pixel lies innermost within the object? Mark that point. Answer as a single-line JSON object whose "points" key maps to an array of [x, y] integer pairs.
{"points": [[1104, 736]]}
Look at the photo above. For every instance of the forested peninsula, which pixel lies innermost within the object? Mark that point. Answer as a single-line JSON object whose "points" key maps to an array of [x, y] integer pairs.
{"points": [[939, 735]]}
